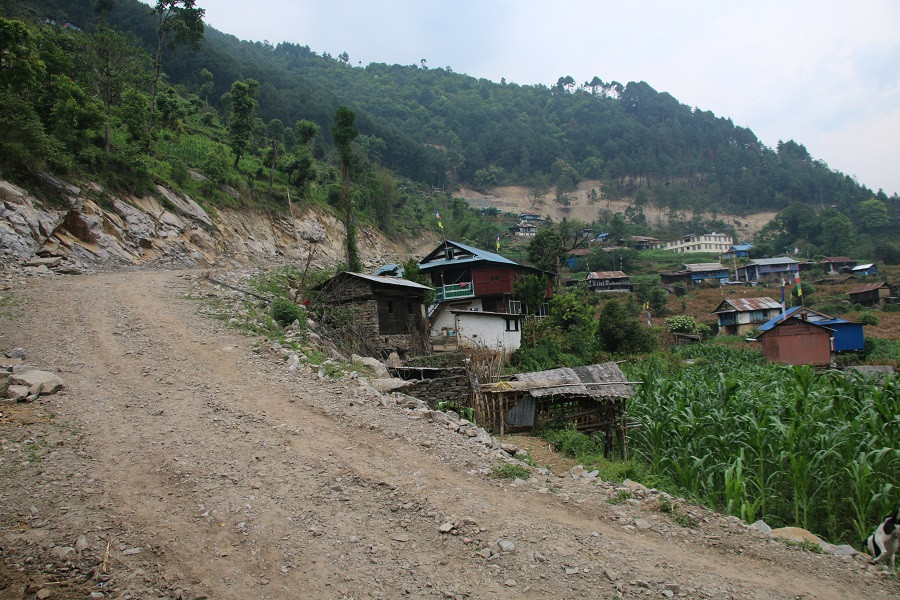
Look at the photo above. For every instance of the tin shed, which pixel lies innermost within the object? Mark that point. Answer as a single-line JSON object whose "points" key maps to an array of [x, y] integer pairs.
{"points": [[797, 342], [590, 399]]}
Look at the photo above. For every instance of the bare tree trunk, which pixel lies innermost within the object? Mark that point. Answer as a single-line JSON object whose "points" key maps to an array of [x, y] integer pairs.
{"points": [[157, 68], [272, 169]]}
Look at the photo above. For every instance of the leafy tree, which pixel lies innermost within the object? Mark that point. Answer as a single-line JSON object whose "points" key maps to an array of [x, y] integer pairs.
{"points": [[344, 132], [240, 121], [177, 22], [873, 214], [206, 87], [618, 332], [568, 311], [23, 143], [305, 131], [301, 169], [545, 251], [531, 291], [412, 272]]}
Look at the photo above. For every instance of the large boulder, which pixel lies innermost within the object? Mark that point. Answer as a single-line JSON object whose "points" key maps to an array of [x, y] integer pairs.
{"points": [[38, 382]]}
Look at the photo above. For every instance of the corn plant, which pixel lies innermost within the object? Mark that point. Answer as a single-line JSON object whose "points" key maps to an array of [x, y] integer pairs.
{"points": [[787, 444]]}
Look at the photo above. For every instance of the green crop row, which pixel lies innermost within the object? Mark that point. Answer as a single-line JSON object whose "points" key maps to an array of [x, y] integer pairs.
{"points": [[786, 444]]}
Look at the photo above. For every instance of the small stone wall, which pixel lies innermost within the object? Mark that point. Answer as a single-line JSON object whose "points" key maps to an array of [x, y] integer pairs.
{"points": [[454, 388]]}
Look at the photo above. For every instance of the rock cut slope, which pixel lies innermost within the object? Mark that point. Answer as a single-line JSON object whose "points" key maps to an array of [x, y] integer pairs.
{"points": [[182, 461]]}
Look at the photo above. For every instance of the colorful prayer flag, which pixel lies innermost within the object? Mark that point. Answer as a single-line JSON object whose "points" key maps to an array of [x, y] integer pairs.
{"points": [[498, 242]]}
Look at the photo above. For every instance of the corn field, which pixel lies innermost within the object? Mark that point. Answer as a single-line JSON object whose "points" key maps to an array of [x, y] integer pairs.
{"points": [[789, 445]]}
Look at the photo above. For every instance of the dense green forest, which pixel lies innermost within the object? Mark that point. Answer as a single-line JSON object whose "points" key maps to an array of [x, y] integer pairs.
{"points": [[431, 126]]}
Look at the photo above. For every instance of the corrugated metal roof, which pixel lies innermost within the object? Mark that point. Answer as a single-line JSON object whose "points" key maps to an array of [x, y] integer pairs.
{"points": [[813, 316], [606, 275], [568, 381], [869, 287], [748, 304], [863, 267], [741, 247], [781, 260], [837, 259], [477, 255], [395, 281], [702, 267]]}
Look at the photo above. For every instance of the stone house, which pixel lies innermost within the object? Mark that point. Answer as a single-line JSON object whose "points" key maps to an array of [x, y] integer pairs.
{"points": [[384, 314]]}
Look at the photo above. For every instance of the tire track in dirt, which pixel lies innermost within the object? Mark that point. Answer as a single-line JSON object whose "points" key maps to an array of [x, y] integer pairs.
{"points": [[247, 483]]}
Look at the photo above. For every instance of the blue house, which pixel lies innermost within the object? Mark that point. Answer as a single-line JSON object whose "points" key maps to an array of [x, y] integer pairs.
{"points": [[847, 336], [739, 250], [867, 269], [768, 269]]}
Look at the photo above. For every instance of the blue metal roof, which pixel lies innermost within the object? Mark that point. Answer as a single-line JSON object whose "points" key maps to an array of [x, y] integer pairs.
{"points": [[741, 247], [824, 321], [477, 255], [846, 334]]}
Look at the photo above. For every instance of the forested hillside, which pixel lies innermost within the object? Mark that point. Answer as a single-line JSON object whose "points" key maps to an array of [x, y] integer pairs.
{"points": [[438, 127]]}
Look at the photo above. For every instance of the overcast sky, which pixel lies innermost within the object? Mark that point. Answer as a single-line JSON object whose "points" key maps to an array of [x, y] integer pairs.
{"points": [[824, 73]]}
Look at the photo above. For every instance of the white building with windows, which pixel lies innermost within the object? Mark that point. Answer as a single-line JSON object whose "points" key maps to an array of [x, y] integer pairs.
{"points": [[714, 243], [474, 328]]}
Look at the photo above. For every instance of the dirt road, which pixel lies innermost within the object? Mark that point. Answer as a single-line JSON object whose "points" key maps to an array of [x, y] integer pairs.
{"points": [[182, 462]]}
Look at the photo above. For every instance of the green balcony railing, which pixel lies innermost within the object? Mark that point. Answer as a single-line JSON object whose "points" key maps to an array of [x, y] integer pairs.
{"points": [[454, 291]]}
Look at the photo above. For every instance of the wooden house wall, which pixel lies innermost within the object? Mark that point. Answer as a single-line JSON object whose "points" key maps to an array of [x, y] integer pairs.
{"points": [[496, 280], [797, 344]]}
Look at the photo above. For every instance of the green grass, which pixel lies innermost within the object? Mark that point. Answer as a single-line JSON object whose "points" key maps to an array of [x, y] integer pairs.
{"points": [[8, 304], [510, 471]]}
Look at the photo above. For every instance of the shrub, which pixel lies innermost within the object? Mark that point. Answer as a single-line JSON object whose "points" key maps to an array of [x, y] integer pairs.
{"points": [[286, 312], [868, 317]]}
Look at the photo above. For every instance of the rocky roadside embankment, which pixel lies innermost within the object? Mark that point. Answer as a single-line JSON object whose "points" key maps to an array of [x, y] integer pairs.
{"points": [[69, 229]]}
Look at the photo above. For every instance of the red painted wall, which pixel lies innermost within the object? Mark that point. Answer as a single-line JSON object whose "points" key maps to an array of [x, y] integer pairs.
{"points": [[797, 344], [493, 281]]}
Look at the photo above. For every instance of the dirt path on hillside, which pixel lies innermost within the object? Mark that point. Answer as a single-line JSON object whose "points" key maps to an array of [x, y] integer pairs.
{"points": [[209, 471]]}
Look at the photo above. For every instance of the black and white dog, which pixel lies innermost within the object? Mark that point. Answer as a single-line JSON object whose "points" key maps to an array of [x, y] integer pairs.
{"points": [[884, 543]]}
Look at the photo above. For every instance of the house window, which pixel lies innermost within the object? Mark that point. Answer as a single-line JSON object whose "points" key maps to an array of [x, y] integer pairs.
{"points": [[390, 306], [512, 324]]}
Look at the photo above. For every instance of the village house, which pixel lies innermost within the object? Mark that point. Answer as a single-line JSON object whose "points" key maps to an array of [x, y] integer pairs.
{"points": [[739, 251], [388, 313], [739, 315], [797, 341], [575, 254], [870, 294], [717, 243], [475, 279], [643, 242], [768, 269], [836, 264], [524, 229], [457, 329], [697, 273], [608, 281], [865, 270], [471, 280], [846, 336]]}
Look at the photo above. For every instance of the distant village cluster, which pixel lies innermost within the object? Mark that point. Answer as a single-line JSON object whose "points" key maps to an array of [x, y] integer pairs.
{"points": [[474, 305]]}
